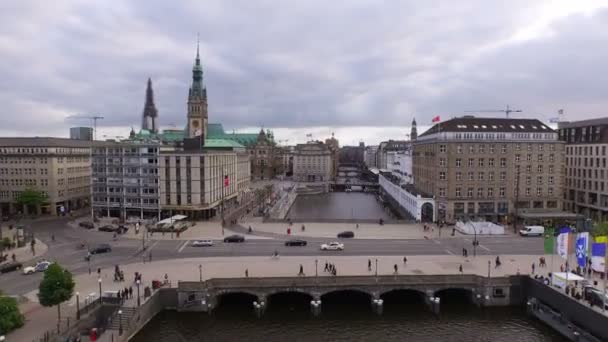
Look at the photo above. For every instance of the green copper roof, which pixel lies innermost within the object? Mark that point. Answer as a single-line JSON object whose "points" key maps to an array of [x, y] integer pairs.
{"points": [[221, 143], [216, 131]]}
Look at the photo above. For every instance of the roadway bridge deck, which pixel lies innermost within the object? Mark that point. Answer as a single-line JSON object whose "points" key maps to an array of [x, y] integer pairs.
{"points": [[483, 291]]}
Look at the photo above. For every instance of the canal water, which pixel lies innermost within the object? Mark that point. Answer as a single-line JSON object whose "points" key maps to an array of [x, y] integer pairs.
{"points": [[347, 317], [338, 206]]}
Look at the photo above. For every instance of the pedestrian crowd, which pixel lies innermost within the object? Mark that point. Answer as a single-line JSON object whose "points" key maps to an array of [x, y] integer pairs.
{"points": [[330, 268]]}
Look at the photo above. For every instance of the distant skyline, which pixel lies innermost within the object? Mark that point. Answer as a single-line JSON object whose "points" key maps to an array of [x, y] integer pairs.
{"points": [[356, 68]]}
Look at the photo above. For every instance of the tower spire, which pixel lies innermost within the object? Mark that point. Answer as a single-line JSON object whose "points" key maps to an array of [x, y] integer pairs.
{"points": [[198, 43], [150, 114]]}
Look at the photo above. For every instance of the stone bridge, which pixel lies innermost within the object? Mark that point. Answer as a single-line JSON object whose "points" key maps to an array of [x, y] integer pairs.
{"points": [[206, 295]]}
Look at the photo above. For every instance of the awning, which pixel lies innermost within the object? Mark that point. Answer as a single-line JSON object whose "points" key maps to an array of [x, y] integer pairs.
{"points": [[172, 219]]}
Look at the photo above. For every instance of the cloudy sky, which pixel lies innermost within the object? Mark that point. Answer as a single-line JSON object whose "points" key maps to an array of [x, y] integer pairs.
{"points": [[362, 69]]}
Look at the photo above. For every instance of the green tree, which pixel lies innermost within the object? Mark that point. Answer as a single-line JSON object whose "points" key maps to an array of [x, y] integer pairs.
{"points": [[56, 287], [10, 316], [32, 197], [600, 229]]}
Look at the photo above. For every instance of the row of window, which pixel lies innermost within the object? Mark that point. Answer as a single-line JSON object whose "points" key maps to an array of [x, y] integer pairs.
{"points": [[491, 148], [587, 162], [489, 192], [23, 182], [584, 184], [481, 176]]}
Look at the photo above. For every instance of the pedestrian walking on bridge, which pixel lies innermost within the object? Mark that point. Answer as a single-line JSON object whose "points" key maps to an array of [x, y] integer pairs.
{"points": [[301, 273], [396, 268], [460, 268], [404, 261], [369, 265]]}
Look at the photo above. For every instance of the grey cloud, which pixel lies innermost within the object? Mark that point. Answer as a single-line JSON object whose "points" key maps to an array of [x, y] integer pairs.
{"points": [[293, 64]]}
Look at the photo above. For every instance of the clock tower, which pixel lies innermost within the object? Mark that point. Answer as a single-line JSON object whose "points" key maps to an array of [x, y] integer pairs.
{"points": [[197, 102]]}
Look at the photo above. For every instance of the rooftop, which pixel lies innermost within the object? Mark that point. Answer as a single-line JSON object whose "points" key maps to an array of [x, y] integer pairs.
{"points": [[42, 142], [482, 125], [583, 123]]}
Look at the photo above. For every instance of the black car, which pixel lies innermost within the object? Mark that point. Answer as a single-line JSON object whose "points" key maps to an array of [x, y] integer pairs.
{"points": [[102, 248], [295, 243], [10, 266], [234, 238], [108, 228], [87, 225], [346, 234]]}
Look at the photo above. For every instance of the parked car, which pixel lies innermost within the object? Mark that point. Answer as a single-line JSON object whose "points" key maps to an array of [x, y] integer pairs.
{"points": [[10, 266], [332, 246], [108, 228], [597, 297], [346, 234], [40, 266], [202, 243], [86, 224], [532, 231], [101, 248], [295, 242], [234, 238]]}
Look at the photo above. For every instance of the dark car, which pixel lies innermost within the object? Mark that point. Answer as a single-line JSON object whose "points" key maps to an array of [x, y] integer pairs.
{"points": [[10, 267], [87, 225], [295, 243], [346, 234], [108, 228], [234, 238], [102, 248]]}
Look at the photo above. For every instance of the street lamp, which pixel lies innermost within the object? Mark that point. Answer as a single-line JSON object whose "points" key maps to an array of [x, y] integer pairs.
{"points": [[475, 242], [99, 281], [489, 264], [200, 273], [119, 322], [376, 267], [77, 306], [138, 300], [316, 268]]}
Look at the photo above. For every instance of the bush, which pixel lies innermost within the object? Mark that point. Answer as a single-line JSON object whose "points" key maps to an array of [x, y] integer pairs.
{"points": [[6, 242], [10, 317]]}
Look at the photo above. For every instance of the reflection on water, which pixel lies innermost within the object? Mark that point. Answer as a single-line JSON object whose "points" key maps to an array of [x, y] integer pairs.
{"points": [[347, 317], [339, 205]]}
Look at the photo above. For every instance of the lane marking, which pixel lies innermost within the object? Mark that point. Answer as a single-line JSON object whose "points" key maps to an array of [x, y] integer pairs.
{"points": [[449, 252], [484, 247], [183, 246], [149, 249], [467, 240], [437, 242]]}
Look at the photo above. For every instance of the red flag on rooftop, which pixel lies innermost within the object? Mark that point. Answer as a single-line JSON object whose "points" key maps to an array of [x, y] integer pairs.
{"points": [[436, 119]]}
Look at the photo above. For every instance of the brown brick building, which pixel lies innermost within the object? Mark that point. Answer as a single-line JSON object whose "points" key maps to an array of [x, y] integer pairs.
{"points": [[490, 168]]}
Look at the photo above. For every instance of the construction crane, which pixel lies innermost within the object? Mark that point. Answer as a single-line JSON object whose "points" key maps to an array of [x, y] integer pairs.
{"points": [[93, 118], [506, 111]]}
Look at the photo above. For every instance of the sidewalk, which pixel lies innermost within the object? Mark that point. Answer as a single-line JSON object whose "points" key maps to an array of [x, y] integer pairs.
{"points": [[365, 230], [23, 254]]}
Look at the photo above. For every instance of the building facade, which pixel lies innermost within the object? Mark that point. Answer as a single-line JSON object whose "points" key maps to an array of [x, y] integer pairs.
{"points": [[126, 179], [266, 157], [369, 156], [333, 145], [59, 168], [352, 155], [490, 168], [586, 188], [196, 182], [81, 133], [312, 162]]}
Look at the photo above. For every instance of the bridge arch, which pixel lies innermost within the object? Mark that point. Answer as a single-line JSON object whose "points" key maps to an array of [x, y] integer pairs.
{"points": [[280, 292], [427, 212], [455, 294], [402, 290], [330, 292]]}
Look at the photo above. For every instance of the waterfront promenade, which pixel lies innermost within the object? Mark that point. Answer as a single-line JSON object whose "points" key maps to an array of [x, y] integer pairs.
{"points": [[40, 319]]}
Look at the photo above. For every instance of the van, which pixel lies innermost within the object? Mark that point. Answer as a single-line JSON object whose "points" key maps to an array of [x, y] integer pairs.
{"points": [[532, 231]]}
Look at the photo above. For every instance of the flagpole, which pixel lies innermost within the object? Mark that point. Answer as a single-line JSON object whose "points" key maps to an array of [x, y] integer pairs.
{"points": [[605, 274]]}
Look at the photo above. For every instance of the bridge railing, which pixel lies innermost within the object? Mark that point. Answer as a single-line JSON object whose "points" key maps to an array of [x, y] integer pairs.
{"points": [[313, 281]]}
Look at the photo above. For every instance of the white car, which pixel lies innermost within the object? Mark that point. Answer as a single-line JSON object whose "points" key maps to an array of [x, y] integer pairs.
{"points": [[40, 266], [332, 246], [202, 243]]}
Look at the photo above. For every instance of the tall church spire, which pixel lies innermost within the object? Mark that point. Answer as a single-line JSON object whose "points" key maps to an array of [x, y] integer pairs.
{"points": [[414, 131], [150, 114], [197, 100]]}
